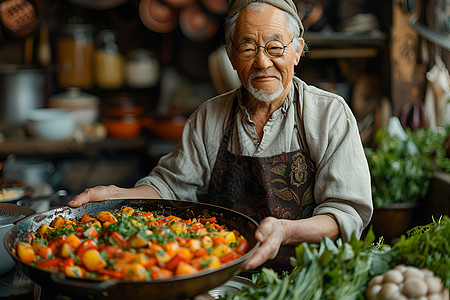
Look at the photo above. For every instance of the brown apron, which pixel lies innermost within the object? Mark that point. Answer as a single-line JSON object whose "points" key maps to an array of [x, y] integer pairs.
{"points": [[280, 186]]}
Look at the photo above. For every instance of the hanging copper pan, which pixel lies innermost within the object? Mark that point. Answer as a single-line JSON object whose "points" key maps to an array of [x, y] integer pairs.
{"points": [[158, 16], [178, 287], [197, 24], [20, 18], [179, 3], [217, 7], [99, 4]]}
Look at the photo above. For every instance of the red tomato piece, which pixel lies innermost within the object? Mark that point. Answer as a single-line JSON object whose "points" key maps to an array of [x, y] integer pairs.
{"points": [[85, 246], [173, 263], [119, 239], [207, 220], [111, 273], [230, 256], [242, 247], [91, 232], [85, 218], [158, 272], [111, 250], [68, 262], [49, 264]]}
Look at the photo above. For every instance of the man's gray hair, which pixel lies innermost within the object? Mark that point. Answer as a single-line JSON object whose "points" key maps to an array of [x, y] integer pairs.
{"points": [[292, 25]]}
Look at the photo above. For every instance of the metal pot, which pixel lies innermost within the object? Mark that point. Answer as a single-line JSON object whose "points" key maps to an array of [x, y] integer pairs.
{"points": [[9, 214], [177, 287], [33, 170], [22, 89]]}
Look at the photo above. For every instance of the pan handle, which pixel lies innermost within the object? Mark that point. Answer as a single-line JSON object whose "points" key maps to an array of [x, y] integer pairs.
{"points": [[94, 287]]}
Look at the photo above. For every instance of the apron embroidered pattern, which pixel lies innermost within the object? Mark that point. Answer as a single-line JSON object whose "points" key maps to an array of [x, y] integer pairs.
{"points": [[280, 186]]}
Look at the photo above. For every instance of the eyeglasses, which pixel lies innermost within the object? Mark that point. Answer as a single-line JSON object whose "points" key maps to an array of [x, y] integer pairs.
{"points": [[273, 49]]}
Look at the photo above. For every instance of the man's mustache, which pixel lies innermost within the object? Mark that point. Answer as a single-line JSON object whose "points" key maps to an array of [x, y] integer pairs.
{"points": [[263, 74]]}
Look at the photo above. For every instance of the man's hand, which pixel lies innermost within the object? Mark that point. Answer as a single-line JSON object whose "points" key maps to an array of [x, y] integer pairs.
{"points": [[270, 233], [111, 192], [273, 233]]}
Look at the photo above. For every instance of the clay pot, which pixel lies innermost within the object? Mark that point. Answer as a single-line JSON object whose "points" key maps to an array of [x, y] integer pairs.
{"points": [[167, 128]]}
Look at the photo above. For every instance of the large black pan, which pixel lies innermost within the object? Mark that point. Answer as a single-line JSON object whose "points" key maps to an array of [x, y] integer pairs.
{"points": [[178, 287]]}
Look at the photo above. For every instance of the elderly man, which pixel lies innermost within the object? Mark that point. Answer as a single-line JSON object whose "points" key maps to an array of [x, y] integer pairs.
{"points": [[285, 153]]}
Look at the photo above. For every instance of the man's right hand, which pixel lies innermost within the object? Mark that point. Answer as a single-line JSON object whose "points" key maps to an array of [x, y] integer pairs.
{"points": [[111, 192]]}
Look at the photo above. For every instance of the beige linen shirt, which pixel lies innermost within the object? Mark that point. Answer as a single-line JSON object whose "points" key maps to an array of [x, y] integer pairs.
{"points": [[342, 185]]}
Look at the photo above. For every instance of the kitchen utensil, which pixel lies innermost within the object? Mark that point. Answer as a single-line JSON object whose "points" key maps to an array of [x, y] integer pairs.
{"points": [[125, 127], [178, 3], [83, 106], [22, 89], [44, 52], [313, 15], [51, 123], [178, 287], [167, 128], [41, 204], [21, 17], [122, 116], [217, 7], [9, 214], [33, 171], [158, 16], [197, 24], [224, 77], [233, 286], [99, 4]]}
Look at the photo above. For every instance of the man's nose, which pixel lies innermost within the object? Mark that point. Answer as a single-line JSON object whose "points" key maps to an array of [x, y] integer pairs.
{"points": [[261, 60]]}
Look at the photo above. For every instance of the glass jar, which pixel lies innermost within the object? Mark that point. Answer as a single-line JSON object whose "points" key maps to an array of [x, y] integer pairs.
{"points": [[75, 49], [109, 62], [142, 69]]}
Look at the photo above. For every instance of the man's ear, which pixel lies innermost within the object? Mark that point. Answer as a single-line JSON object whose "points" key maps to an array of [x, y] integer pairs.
{"points": [[298, 54]]}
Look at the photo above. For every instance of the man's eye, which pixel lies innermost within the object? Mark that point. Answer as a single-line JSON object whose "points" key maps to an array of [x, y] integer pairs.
{"points": [[247, 48]]}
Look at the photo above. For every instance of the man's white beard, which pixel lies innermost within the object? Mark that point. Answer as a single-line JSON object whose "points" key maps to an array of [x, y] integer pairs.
{"points": [[261, 95]]}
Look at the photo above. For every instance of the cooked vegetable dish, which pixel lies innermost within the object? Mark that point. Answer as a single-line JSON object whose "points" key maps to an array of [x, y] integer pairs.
{"points": [[131, 245]]}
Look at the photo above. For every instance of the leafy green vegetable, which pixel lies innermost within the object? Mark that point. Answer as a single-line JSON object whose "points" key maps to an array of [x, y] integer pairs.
{"points": [[432, 144], [398, 175], [336, 270], [426, 247], [325, 271]]}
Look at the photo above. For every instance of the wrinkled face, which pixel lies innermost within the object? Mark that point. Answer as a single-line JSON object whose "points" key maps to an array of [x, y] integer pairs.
{"points": [[264, 75]]}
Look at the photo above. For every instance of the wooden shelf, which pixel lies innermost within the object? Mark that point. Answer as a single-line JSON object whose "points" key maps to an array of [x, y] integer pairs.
{"points": [[342, 53], [38, 147], [344, 39], [335, 45]]}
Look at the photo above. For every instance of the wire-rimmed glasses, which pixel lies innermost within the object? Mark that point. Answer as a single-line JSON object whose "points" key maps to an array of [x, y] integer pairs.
{"points": [[273, 49]]}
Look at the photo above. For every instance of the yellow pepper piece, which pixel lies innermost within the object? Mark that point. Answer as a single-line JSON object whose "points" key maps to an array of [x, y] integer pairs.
{"points": [[66, 250], [59, 222], [220, 250], [135, 271], [43, 229], [73, 241], [162, 256], [184, 268], [126, 211], [228, 235], [106, 216], [25, 252], [93, 260], [74, 271]]}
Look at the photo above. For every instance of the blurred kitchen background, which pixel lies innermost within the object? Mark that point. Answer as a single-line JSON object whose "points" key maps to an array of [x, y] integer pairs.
{"points": [[131, 71]]}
